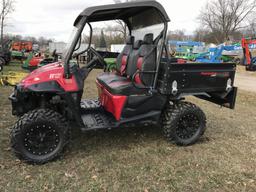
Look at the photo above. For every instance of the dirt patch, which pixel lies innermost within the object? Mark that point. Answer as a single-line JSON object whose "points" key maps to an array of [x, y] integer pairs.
{"points": [[246, 82]]}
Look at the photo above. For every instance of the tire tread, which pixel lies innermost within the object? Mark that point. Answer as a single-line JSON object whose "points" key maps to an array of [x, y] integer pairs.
{"points": [[170, 115], [38, 115]]}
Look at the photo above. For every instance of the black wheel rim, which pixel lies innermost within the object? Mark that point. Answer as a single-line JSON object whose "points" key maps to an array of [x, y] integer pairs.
{"points": [[187, 126], [41, 140]]}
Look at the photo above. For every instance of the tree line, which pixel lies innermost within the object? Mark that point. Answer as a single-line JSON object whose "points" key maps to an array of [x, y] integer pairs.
{"points": [[223, 20], [220, 21], [41, 41]]}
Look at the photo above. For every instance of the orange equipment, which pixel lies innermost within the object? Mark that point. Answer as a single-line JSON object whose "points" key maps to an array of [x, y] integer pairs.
{"points": [[22, 45], [250, 62]]}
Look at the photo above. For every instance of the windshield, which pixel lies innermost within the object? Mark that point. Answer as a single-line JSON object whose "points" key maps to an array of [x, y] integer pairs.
{"points": [[81, 35], [74, 42], [70, 40]]}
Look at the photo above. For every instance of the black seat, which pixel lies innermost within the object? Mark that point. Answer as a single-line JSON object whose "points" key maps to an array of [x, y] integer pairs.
{"points": [[146, 62], [106, 78], [142, 58], [131, 67], [122, 62], [123, 87], [123, 57]]}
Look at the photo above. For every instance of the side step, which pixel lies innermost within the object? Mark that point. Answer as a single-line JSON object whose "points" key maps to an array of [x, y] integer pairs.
{"points": [[98, 120], [104, 120], [90, 105]]}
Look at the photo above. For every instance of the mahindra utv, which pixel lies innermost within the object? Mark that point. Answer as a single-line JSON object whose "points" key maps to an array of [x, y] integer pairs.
{"points": [[148, 87]]}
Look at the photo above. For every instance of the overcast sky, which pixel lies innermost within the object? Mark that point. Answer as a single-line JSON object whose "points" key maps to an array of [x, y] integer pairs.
{"points": [[54, 18]]}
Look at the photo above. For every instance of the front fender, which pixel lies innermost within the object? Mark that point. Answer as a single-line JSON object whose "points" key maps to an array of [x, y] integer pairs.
{"points": [[50, 86]]}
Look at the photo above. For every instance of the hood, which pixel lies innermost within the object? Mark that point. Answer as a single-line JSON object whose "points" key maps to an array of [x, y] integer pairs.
{"points": [[47, 74], [43, 74]]}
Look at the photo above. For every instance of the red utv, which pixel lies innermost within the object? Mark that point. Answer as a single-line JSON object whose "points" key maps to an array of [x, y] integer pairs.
{"points": [[148, 87]]}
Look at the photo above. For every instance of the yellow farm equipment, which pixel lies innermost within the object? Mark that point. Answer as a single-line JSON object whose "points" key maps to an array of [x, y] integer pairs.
{"points": [[11, 78]]}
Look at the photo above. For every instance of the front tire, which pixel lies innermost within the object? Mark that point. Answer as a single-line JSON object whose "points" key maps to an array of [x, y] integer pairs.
{"points": [[183, 123], [40, 136]]}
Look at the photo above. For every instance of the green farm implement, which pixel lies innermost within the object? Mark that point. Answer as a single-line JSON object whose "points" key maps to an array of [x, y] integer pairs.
{"points": [[11, 78]]}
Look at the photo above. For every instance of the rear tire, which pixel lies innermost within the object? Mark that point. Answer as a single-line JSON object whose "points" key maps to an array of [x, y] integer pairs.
{"points": [[40, 136], [237, 61], [183, 123], [1, 67]]}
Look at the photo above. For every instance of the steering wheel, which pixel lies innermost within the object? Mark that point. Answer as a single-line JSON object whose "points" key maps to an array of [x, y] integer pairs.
{"points": [[98, 57]]}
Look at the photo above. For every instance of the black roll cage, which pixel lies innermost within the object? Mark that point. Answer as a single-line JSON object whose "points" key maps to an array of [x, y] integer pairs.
{"points": [[87, 16], [90, 41]]}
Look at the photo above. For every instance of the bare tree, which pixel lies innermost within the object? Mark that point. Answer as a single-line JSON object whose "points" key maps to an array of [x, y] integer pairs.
{"points": [[202, 35], [121, 27], [225, 17], [250, 30], [178, 35], [7, 7], [116, 33]]}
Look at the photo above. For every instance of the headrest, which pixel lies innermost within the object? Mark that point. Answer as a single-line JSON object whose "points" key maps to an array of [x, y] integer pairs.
{"points": [[130, 40], [137, 44], [148, 38]]}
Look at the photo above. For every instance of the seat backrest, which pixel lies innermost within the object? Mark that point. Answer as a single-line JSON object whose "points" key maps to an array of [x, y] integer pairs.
{"points": [[131, 67], [123, 57], [146, 61]]}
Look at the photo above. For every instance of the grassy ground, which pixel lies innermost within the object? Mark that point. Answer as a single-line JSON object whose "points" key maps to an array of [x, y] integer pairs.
{"points": [[140, 159], [12, 73], [14, 66]]}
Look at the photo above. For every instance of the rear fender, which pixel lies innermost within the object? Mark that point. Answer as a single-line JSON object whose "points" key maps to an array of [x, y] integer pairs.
{"points": [[227, 100]]}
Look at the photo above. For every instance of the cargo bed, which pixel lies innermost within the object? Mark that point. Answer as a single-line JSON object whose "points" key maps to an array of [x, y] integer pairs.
{"points": [[212, 82]]}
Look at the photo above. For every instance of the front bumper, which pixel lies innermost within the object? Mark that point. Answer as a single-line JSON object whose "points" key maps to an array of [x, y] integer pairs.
{"points": [[16, 105], [19, 102], [13, 98]]}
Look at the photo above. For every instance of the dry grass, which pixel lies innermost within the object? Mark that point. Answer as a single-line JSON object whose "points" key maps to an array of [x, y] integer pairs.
{"points": [[14, 66], [140, 159]]}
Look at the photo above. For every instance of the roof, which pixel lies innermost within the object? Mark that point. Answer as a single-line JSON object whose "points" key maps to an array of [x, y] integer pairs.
{"points": [[122, 11]]}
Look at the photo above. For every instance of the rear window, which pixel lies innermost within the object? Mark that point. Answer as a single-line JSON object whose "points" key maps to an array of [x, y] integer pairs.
{"points": [[146, 18]]}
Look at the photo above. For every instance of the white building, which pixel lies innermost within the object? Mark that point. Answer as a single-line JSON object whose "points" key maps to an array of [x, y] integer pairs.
{"points": [[61, 46], [117, 48]]}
